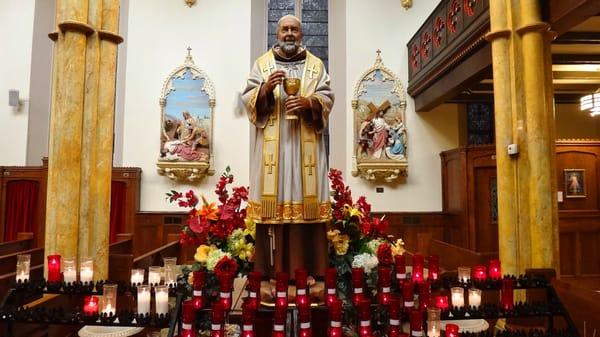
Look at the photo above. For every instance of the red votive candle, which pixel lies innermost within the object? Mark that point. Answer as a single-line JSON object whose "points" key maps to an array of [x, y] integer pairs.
{"points": [[90, 305], [218, 318], [416, 323], [358, 283], [364, 318], [441, 302], [225, 289], [198, 286], [253, 288], [330, 285], [495, 269], [187, 318], [434, 267], [479, 273], [417, 268], [335, 318], [384, 283], [279, 321], [451, 330], [54, 268], [507, 298], [281, 288], [304, 329], [408, 295], [424, 294], [302, 298], [400, 267], [248, 314], [394, 314]]}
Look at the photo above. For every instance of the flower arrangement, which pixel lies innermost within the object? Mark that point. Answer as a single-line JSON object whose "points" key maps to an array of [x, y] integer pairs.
{"points": [[223, 236], [357, 239]]}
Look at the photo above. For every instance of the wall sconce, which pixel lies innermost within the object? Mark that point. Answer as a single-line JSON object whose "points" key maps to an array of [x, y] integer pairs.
{"points": [[591, 103], [406, 3], [190, 3]]}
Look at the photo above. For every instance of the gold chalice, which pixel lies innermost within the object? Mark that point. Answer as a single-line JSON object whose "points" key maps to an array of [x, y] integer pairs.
{"points": [[291, 86]]}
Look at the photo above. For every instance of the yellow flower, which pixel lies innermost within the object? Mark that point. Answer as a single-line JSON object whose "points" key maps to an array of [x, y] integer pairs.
{"points": [[332, 235], [250, 228], [202, 253], [341, 244], [350, 211], [398, 247]]}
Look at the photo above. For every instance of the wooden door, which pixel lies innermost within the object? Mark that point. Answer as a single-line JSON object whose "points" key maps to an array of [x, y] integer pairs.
{"points": [[486, 209]]}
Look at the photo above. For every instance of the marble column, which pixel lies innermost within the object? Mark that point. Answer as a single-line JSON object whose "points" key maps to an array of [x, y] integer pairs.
{"points": [[527, 219]]}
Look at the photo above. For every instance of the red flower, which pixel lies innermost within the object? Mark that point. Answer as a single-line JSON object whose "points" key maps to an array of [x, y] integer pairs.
{"points": [[384, 254], [363, 206], [226, 266]]}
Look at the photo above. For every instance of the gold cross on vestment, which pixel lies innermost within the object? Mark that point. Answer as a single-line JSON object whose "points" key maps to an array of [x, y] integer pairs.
{"points": [[313, 71], [270, 163], [272, 119], [310, 164], [269, 68]]}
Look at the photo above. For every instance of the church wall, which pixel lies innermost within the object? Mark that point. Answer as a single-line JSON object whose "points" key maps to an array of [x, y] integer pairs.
{"points": [[388, 27], [572, 123], [158, 34], [16, 20]]}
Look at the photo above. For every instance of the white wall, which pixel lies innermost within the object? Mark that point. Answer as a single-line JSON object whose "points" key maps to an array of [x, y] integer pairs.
{"points": [[16, 21], [159, 31], [385, 25]]}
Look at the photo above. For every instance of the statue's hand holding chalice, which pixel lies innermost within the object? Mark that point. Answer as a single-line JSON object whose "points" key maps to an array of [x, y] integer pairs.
{"points": [[291, 86]]}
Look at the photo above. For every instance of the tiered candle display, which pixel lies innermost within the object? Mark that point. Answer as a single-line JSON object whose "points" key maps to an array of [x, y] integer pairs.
{"points": [[23, 267], [495, 269], [69, 271], [395, 329], [479, 273], [416, 323], [400, 268], [90, 305], [86, 270], [302, 298], [225, 290], [198, 286], [408, 295], [218, 320], [335, 318], [281, 288], [170, 264], [458, 296], [154, 275], [54, 268], [364, 318], [330, 285], [254, 289], [143, 299], [451, 330], [384, 283], [109, 299], [474, 297], [434, 267], [187, 319], [248, 314], [506, 294], [417, 268], [137, 276], [161, 299], [433, 322], [358, 284]]}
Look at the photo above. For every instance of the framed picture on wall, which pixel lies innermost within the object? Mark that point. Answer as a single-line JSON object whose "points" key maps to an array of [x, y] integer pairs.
{"points": [[574, 183]]}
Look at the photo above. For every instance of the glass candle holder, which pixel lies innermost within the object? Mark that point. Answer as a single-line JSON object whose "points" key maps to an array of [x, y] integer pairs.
{"points": [[384, 283], [394, 317], [495, 269], [23, 267], [434, 267], [281, 289], [187, 318], [335, 318], [225, 290], [143, 299], [416, 323], [464, 274], [248, 315], [451, 330], [171, 271], [279, 319], [198, 286], [90, 305], [330, 285], [304, 327], [433, 322], [364, 318], [137, 276], [479, 273], [458, 296], [69, 270], [474, 297], [154, 275], [109, 299], [86, 270], [161, 299], [441, 302], [408, 295], [54, 268], [417, 268], [302, 298], [400, 268], [253, 288], [358, 283], [506, 294]]}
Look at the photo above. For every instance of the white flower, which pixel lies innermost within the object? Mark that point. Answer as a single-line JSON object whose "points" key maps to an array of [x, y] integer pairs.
{"points": [[365, 261], [213, 258]]}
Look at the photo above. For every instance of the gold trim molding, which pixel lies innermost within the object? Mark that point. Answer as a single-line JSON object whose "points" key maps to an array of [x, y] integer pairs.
{"points": [[389, 172], [190, 171]]}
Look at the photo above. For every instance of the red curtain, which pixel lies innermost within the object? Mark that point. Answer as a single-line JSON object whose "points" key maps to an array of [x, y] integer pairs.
{"points": [[117, 209], [21, 203]]}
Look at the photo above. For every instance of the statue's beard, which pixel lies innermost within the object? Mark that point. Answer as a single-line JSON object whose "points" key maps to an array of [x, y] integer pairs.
{"points": [[289, 48]]}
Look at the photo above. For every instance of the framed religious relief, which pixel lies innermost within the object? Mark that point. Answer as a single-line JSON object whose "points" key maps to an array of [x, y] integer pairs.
{"points": [[380, 134], [574, 183], [186, 125]]}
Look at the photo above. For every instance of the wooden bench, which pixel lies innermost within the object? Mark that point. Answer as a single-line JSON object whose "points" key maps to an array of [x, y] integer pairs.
{"points": [[120, 265], [24, 241]]}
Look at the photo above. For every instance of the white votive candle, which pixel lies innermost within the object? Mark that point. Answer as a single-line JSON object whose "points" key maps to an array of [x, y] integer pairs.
{"points": [[108, 310], [22, 277], [474, 297], [86, 270], [154, 275], [137, 276], [433, 331], [458, 297], [143, 299], [70, 275], [162, 300]]}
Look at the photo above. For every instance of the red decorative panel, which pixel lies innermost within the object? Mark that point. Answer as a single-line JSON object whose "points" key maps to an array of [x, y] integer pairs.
{"points": [[415, 62], [439, 33], [454, 18], [470, 7], [425, 46]]}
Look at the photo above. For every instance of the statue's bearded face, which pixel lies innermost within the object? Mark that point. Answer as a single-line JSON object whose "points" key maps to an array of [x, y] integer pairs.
{"points": [[289, 36]]}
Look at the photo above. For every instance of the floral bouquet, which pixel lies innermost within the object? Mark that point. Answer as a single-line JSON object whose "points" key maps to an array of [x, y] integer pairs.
{"points": [[357, 239], [223, 236]]}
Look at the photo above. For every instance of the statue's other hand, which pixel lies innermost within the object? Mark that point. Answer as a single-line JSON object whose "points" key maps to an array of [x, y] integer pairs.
{"points": [[297, 103], [274, 79]]}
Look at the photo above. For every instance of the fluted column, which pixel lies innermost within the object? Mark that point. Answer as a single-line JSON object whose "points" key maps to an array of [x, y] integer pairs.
{"points": [[527, 219]]}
